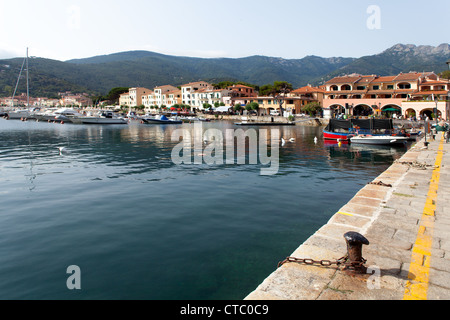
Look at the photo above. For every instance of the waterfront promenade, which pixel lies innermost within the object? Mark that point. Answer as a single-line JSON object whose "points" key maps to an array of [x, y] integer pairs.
{"points": [[405, 215]]}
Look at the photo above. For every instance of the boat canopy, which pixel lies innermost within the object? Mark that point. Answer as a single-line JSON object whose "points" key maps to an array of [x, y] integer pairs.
{"points": [[338, 124], [163, 117], [222, 109], [369, 124], [373, 124]]}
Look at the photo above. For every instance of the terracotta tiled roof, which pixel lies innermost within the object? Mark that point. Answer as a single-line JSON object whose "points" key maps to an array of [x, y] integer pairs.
{"points": [[196, 83], [384, 79], [308, 89], [345, 79], [409, 76], [366, 79]]}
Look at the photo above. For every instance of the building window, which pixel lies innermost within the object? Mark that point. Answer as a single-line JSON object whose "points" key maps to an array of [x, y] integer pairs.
{"points": [[404, 86]]}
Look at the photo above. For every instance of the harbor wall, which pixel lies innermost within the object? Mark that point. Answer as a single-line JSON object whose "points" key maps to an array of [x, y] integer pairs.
{"points": [[380, 208], [315, 122]]}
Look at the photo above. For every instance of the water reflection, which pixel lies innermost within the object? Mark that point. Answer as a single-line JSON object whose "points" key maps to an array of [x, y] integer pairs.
{"points": [[121, 209]]}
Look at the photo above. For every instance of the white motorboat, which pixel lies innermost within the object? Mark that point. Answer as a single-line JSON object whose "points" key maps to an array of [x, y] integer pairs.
{"points": [[66, 115], [58, 115], [161, 120], [19, 114], [105, 117], [46, 114], [379, 140]]}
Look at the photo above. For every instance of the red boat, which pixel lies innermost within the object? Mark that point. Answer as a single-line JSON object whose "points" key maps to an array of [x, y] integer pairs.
{"points": [[338, 130]]}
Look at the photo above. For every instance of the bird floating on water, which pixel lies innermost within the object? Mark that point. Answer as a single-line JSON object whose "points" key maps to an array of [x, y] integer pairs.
{"points": [[283, 142], [315, 140], [63, 150], [292, 140]]}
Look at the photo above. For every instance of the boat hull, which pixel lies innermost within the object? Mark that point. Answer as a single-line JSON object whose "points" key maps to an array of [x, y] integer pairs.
{"points": [[336, 136], [18, 115], [264, 124], [101, 121], [379, 140], [157, 121]]}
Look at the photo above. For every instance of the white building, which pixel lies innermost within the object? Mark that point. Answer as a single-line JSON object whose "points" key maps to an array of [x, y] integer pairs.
{"points": [[211, 97], [189, 96], [161, 97]]}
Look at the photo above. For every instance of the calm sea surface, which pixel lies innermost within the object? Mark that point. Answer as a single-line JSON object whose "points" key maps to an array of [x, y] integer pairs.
{"points": [[140, 227]]}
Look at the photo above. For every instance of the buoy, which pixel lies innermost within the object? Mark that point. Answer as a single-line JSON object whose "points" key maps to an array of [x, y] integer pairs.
{"points": [[315, 140]]}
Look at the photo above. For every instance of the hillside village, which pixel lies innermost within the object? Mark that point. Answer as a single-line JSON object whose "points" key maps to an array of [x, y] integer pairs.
{"points": [[405, 95]]}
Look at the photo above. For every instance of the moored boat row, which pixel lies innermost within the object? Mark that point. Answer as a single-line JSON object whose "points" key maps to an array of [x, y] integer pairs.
{"points": [[367, 131]]}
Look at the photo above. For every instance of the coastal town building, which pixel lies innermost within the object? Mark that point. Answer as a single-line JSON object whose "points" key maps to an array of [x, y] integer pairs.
{"points": [[162, 96], [124, 99], [135, 96], [79, 100], [65, 99], [239, 91], [405, 95], [189, 96], [212, 97], [292, 102]]}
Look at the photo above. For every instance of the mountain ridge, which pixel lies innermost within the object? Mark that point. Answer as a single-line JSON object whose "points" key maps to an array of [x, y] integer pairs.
{"points": [[99, 74]]}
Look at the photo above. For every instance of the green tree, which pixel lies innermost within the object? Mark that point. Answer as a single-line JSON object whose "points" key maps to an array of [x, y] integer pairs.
{"points": [[255, 106], [114, 95], [238, 107], [445, 74], [277, 88], [312, 108]]}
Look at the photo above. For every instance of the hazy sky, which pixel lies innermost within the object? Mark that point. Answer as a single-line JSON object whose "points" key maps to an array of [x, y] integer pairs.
{"points": [[68, 29]]}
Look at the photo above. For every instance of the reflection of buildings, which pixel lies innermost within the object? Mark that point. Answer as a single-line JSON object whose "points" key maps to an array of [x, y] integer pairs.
{"points": [[406, 94]]}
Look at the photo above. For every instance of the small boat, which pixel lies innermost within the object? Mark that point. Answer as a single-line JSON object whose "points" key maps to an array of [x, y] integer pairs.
{"points": [[344, 130], [379, 140], [161, 120], [105, 117], [246, 122], [132, 115]]}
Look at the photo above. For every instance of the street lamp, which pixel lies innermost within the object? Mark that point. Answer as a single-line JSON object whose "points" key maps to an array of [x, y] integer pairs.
{"points": [[436, 100]]}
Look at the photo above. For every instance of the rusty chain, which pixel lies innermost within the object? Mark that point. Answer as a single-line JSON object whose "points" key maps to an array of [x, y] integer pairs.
{"points": [[380, 183], [326, 263], [416, 164]]}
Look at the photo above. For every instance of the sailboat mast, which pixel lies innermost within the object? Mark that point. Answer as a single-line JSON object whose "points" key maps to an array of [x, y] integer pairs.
{"points": [[28, 87], [17, 84]]}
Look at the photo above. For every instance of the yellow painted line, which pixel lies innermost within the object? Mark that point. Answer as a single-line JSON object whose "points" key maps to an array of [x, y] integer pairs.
{"points": [[345, 213], [419, 270]]}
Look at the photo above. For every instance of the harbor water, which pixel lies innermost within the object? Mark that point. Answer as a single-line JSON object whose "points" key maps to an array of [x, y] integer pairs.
{"points": [[139, 226]]}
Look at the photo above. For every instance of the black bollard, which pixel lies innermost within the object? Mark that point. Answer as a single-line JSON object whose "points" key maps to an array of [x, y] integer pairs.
{"points": [[355, 260]]}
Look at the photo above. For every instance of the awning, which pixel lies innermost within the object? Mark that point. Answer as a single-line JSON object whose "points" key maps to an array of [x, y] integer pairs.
{"points": [[222, 109]]}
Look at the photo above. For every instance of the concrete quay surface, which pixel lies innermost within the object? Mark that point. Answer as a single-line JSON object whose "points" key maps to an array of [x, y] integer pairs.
{"points": [[405, 214]]}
